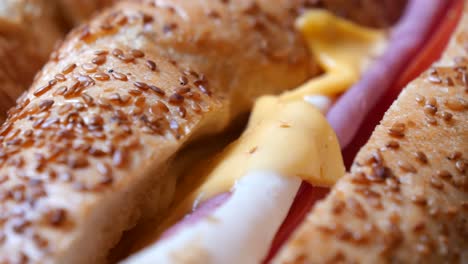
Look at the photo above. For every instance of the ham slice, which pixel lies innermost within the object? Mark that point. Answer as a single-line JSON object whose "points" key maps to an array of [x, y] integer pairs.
{"points": [[407, 38]]}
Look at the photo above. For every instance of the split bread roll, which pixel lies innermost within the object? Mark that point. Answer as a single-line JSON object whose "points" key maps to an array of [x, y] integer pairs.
{"points": [[84, 154], [406, 198], [28, 32]]}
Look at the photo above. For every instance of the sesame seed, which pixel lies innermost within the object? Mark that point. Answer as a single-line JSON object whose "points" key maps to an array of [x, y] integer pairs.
{"points": [[115, 97], [447, 116], [89, 67], [99, 60], [100, 76], [183, 80], [196, 108], [140, 101], [448, 81], [158, 107], [182, 111], [119, 76], [85, 80], [434, 79], [50, 122], [431, 120], [183, 90], [204, 89], [285, 125], [421, 157], [61, 90], [96, 121], [443, 174], [392, 144], [380, 174], [46, 104], [253, 150], [141, 85], [106, 171], [455, 155], [157, 90], [4, 179], [57, 217], [147, 18], [19, 225], [135, 92], [137, 53], [436, 183], [456, 104], [151, 65], [176, 99], [406, 167], [430, 109], [77, 162], [117, 52], [39, 241], [465, 78], [420, 99], [85, 33], [65, 108], [119, 158], [38, 122], [69, 68], [431, 101], [79, 106], [121, 20], [136, 111], [464, 205], [419, 199], [60, 77], [42, 90], [124, 98], [419, 227], [168, 28], [101, 52], [461, 166], [375, 158], [451, 211], [397, 130], [356, 208], [126, 58]]}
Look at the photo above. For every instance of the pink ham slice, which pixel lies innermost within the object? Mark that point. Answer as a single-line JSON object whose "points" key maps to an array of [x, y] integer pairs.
{"points": [[407, 38]]}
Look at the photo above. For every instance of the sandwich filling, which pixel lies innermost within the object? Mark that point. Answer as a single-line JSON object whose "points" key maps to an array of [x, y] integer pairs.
{"points": [[288, 140]]}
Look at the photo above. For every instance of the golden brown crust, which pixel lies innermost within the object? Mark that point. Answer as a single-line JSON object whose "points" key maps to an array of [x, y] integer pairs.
{"points": [[27, 36], [76, 12], [406, 198], [85, 147]]}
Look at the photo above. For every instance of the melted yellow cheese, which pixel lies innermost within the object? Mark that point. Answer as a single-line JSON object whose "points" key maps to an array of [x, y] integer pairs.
{"points": [[341, 48], [285, 134]]}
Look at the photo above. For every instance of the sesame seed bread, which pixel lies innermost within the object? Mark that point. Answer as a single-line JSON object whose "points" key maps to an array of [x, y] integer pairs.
{"points": [[84, 153], [27, 36], [406, 197]]}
